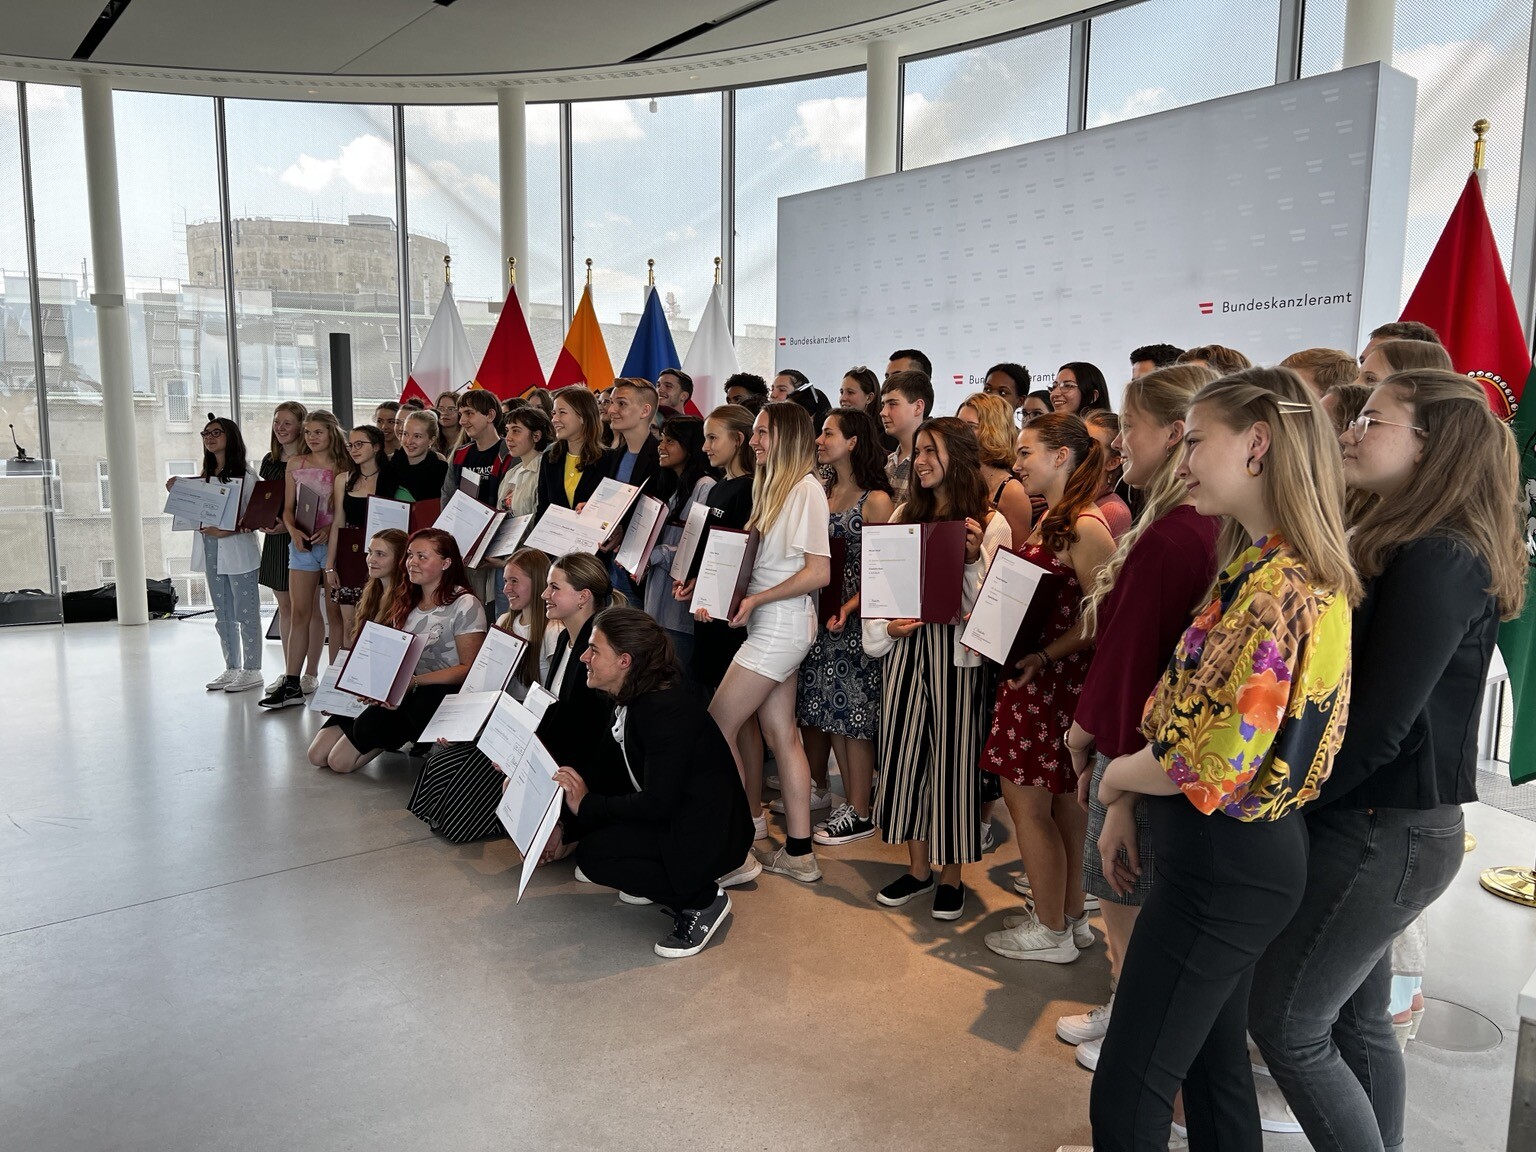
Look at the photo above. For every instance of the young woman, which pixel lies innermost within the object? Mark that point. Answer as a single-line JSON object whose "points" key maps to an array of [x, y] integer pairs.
{"points": [[287, 442], [1134, 612], [1035, 404], [1443, 561], [385, 552], [386, 418], [540, 398], [838, 700], [681, 453], [434, 600], [933, 704], [990, 418], [459, 788], [369, 477], [860, 390], [1115, 496], [448, 438], [686, 821], [230, 561], [569, 473], [1242, 731], [605, 421], [1079, 388], [417, 471], [528, 436], [789, 513], [325, 457], [1059, 460]]}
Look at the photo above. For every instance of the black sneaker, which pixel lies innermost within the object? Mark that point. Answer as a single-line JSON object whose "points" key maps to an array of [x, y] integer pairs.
{"points": [[286, 696], [844, 826], [948, 901], [692, 928], [902, 889]]}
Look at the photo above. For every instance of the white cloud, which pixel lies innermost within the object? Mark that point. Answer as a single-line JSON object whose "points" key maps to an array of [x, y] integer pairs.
{"points": [[41, 100], [367, 164], [600, 122], [460, 184], [611, 217], [1141, 102], [687, 232], [833, 126], [457, 124]]}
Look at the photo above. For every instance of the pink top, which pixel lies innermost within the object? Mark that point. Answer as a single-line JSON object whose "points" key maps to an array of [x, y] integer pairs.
{"points": [[1117, 514]]}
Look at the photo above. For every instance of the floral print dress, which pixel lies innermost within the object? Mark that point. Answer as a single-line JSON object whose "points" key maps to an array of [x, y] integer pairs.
{"points": [[1249, 715]]}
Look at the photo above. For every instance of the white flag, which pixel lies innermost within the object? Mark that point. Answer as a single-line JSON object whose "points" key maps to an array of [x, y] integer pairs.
{"points": [[711, 358], [444, 363]]}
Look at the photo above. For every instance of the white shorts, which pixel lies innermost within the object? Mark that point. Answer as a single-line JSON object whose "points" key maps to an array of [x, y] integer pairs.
{"points": [[778, 637]]}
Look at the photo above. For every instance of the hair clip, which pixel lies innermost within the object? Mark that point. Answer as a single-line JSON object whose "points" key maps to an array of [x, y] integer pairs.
{"points": [[1292, 406]]}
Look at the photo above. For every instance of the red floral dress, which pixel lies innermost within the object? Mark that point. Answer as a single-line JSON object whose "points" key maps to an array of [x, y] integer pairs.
{"points": [[1029, 724]]}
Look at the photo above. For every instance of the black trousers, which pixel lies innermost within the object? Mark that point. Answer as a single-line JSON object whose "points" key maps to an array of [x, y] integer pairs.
{"points": [[1223, 890], [389, 728], [629, 857]]}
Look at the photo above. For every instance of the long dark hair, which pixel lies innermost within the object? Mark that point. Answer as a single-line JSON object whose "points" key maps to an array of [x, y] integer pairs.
{"points": [[234, 451], [1058, 527], [963, 493], [376, 438], [455, 581], [1091, 388], [653, 661], [688, 433], [867, 460]]}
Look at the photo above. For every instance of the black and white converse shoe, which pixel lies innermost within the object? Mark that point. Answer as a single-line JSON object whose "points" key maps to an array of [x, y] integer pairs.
{"points": [[692, 928], [844, 826]]}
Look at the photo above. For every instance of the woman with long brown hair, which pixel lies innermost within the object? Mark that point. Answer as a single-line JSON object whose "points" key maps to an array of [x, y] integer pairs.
{"points": [[1443, 559], [570, 472], [287, 442]]}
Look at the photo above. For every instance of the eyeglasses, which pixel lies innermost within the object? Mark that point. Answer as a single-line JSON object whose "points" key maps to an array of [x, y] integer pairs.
{"points": [[361, 444], [1360, 425], [1064, 386], [212, 433]]}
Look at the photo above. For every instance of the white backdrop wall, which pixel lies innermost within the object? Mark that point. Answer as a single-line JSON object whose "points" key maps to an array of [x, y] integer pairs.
{"points": [[1269, 221]]}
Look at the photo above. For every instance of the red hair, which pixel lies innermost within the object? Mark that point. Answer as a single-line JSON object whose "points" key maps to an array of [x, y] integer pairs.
{"points": [[455, 581]]}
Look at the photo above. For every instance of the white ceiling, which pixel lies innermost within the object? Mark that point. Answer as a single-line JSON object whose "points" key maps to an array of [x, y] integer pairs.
{"points": [[355, 49]]}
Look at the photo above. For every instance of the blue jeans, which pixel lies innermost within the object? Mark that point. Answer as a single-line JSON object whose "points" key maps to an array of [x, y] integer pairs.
{"points": [[1318, 1009], [236, 611]]}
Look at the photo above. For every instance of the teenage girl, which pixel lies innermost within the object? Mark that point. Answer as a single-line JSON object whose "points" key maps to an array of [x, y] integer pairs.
{"points": [[350, 492], [287, 442]]}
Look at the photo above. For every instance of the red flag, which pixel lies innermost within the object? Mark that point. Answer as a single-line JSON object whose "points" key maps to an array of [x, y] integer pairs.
{"points": [[1464, 295], [413, 389], [510, 366]]}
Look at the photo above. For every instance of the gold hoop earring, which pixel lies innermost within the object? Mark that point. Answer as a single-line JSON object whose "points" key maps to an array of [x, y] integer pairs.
{"points": [[1252, 460]]}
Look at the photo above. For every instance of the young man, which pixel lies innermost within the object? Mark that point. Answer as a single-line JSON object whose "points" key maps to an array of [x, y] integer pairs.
{"points": [[744, 384], [633, 459], [1322, 368], [909, 360], [1151, 357], [1008, 382], [674, 390], [485, 456], [1218, 356], [385, 418], [905, 401], [1399, 330]]}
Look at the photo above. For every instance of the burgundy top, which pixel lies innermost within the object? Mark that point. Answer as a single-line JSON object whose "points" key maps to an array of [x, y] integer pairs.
{"points": [[1169, 570]]}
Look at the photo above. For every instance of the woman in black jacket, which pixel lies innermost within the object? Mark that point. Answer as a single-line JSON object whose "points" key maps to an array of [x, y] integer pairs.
{"points": [[1442, 557], [573, 465], [687, 821]]}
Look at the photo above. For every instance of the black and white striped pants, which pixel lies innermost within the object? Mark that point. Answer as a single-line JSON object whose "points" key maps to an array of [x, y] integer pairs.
{"points": [[457, 793], [933, 724]]}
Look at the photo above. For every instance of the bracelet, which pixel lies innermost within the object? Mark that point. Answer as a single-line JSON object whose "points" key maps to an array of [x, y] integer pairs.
{"points": [[1044, 659]]}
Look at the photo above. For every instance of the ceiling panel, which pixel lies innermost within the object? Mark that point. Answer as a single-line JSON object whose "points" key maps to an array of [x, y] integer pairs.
{"points": [[52, 30], [784, 19]]}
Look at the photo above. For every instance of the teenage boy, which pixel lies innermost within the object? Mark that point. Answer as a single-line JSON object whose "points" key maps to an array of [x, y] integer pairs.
{"points": [[674, 390], [906, 398], [485, 456]]}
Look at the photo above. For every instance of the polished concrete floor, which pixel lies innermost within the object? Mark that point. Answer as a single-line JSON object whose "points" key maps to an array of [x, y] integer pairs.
{"points": [[207, 944]]}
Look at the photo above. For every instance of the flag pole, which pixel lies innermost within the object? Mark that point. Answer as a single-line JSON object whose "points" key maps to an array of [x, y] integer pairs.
{"points": [[447, 269], [589, 272], [512, 271], [650, 273], [717, 271]]}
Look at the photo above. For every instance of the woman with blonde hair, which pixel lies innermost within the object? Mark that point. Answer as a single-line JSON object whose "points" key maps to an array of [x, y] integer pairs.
{"points": [[1442, 554], [287, 442], [1242, 730], [794, 562], [448, 436], [386, 551], [990, 417]]}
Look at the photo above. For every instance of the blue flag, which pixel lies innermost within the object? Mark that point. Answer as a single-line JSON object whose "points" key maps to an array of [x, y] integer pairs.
{"points": [[653, 351]]}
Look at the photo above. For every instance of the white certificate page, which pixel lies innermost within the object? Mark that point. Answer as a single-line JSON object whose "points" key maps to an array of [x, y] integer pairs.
{"points": [[633, 553], [330, 700], [202, 501], [507, 733], [609, 503], [375, 663], [561, 530], [464, 518], [386, 514], [531, 788], [495, 662], [891, 580], [718, 573], [693, 529], [504, 540], [1001, 606], [460, 717]]}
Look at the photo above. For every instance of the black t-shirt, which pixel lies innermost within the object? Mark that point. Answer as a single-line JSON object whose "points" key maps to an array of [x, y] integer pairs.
{"points": [[424, 481], [483, 460]]}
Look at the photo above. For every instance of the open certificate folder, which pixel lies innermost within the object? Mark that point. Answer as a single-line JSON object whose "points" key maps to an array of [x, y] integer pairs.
{"points": [[331, 701], [386, 514], [560, 530], [609, 502], [640, 537], [382, 663], [724, 573], [1011, 610], [467, 521], [460, 717], [693, 531], [495, 662], [912, 572]]}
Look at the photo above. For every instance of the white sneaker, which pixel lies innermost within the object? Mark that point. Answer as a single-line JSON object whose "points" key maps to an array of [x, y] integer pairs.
{"points": [[1034, 941], [581, 877], [801, 868], [1275, 1114], [1089, 1025], [244, 682], [772, 782], [759, 827], [218, 682], [819, 801], [751, 868], [308, 684], [628, 899], [1087, 1054], [1022, 886], [988, 838], [1082, 934]]}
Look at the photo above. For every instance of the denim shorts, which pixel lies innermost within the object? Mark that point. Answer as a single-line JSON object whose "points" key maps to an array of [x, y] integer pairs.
{"points": [[311, 561]]}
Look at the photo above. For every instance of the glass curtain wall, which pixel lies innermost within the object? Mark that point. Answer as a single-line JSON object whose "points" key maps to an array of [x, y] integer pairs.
{"points": [[541, 284], [789, 138]]}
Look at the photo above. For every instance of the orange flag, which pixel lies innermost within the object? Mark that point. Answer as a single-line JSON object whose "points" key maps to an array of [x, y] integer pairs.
{"points": [[584, 359], [510, 366]]}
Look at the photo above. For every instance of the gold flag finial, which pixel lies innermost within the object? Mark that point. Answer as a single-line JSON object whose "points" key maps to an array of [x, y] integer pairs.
{"points": [[717, 271], [650, 273], [589, 271], [512, 270], [1480, 130], [447, 269]]}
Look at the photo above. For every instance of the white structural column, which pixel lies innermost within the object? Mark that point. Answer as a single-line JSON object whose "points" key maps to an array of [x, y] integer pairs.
{"points": [[112, 337], [1368, 31], [882, 108], [512, 134]]}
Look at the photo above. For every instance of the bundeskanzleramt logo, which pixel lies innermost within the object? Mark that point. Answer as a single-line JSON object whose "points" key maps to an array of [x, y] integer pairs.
{"points": [[1270, 303], [809, 341]]}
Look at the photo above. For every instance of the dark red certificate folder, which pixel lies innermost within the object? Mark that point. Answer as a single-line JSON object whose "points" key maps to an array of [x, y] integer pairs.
{"points": [[351, 559], [424, 514], [265, 508], [830, 600]]}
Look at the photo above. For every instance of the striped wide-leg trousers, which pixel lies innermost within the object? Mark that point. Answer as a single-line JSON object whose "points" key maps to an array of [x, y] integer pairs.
{"points": [[457, 793], [933, 724]]}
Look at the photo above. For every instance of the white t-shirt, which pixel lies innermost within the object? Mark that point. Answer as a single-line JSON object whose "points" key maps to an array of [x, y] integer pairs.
{"points": [[441, 626], [799, 531]]}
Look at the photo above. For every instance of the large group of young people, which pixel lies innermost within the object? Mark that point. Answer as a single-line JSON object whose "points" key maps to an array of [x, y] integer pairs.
{"points": [[1243, 733]]}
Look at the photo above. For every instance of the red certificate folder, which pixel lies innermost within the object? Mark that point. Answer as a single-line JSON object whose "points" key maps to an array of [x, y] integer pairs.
{"points": [[265, 508], [942, 575], [424, 514], [469, 484], [307, 503], [830, 601], [1036, 616], [402, 675], [351, 559]]}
